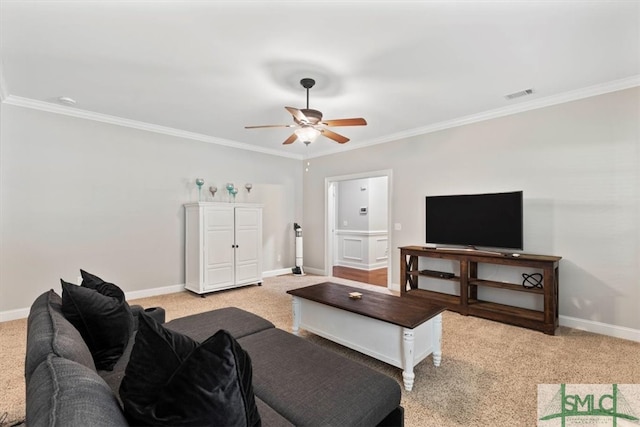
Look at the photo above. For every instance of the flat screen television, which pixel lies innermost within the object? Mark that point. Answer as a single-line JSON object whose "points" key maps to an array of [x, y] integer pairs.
{"points": [[493, 220]]}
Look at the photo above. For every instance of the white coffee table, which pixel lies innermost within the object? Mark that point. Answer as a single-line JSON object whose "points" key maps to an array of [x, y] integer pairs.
{"points": [[400, 331]]}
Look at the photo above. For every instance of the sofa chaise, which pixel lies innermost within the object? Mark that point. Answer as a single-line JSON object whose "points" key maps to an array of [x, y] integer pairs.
{"points": [[295, 382]]}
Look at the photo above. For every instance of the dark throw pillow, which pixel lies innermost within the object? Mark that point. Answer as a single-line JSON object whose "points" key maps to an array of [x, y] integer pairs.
{"points": [[171, 380], [103, 318], [105, 288]]}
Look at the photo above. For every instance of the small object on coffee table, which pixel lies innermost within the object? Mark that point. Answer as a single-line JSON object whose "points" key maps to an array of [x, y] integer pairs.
{"points": [[355, 295]]}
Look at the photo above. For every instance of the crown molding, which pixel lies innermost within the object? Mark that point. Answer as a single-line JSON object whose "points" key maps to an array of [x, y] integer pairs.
{"points": [[548, 101], [119, 121]]}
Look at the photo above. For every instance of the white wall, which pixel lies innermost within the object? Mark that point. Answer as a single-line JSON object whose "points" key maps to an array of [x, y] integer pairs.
{"points": [[350, 199], [378, 198], [578, 164], [361, 238], [82, 194], [364, 192]]}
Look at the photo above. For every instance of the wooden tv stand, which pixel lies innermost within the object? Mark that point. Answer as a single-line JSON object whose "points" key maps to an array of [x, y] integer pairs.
{"points": [[467, 302]]}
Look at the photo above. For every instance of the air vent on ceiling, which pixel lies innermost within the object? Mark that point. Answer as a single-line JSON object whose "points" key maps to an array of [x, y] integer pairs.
{"points": [[519, 93]]}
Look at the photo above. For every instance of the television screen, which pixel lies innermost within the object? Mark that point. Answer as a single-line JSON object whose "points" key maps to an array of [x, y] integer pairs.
{"points": [[490, 220]]}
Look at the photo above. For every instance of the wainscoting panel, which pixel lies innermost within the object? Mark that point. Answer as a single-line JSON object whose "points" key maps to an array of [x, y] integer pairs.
{"points": [[352, 249], [380, 249], [364, 250]]}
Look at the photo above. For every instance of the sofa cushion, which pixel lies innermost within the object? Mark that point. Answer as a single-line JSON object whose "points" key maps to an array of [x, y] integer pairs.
{"points": [[65, 393], [310, 385], [269, 417], [48, 331], [234, 320], [103, 318], [173, 380]]}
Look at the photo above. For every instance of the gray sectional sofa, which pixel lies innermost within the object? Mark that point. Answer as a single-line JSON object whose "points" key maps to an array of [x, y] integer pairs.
{"points": [[295, 382]]}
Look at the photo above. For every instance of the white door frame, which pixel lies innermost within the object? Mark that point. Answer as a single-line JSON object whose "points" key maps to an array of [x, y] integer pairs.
{"points": [[329, 216]]}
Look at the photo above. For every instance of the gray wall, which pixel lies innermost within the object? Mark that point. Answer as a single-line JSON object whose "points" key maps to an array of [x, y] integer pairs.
{"points": [[83, 194], [351, 197], [378, 201], [578, 165]]}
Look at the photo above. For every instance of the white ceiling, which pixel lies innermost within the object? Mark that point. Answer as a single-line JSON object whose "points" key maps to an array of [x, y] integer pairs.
{"points": [[206, 69]]}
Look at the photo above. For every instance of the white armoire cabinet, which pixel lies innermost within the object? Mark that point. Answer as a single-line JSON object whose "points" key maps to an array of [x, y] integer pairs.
{"points": [[223, 245]]}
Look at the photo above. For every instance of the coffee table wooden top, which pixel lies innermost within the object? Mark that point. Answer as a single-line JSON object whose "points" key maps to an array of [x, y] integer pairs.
{"points": [[406, 311]]}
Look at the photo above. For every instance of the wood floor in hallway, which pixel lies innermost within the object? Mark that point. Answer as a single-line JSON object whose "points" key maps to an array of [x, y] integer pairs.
{"points": [[373, 277]]}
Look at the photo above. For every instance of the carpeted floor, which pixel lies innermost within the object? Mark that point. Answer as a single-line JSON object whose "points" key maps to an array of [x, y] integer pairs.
{"points": [[488, 377]]}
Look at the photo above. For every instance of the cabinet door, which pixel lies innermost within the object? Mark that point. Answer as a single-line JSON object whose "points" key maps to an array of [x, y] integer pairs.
{"points": [[218, 248], [248, 245]]}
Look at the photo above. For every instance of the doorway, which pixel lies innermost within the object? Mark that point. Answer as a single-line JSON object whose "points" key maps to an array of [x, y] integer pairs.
{"points": [[357, 224], [373, 277]]}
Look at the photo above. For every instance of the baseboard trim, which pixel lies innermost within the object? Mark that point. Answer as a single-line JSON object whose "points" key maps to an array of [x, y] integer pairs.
{"points": [[394, 287], [315, 271], [20, 313], [600, 328], [360, 266], [571, 322], [144, 293], [279, 272]]}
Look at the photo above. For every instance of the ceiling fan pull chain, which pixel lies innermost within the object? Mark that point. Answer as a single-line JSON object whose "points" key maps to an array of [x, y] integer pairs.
{"points": [[306, 169]]}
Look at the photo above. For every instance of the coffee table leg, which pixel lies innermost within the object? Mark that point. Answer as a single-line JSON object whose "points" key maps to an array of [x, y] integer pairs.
{"points": [[407, 352], [437, 339], [296, 316]]}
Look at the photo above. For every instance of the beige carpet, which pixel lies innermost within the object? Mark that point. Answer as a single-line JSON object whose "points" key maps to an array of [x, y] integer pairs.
{"points": [[488, 377]]}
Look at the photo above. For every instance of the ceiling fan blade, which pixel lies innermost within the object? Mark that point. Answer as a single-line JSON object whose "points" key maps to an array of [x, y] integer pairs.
{"points": [[297, 114], [291, 139], [335, 136], [359, 121], [269, 126]]}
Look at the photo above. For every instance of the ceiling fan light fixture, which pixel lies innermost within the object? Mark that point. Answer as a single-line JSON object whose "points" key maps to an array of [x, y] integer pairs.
{"points": [[307, 133], [306, 119]]}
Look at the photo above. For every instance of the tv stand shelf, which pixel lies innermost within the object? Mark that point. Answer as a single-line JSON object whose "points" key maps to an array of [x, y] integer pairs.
{"points": [[467, 302], [438, 274]]}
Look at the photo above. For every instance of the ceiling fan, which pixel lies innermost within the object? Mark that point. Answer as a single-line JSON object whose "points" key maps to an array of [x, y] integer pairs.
{"points": [[309, 122]]}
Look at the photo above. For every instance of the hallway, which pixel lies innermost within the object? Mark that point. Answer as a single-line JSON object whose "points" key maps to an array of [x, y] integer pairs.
{"points": [[373, 277]]}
